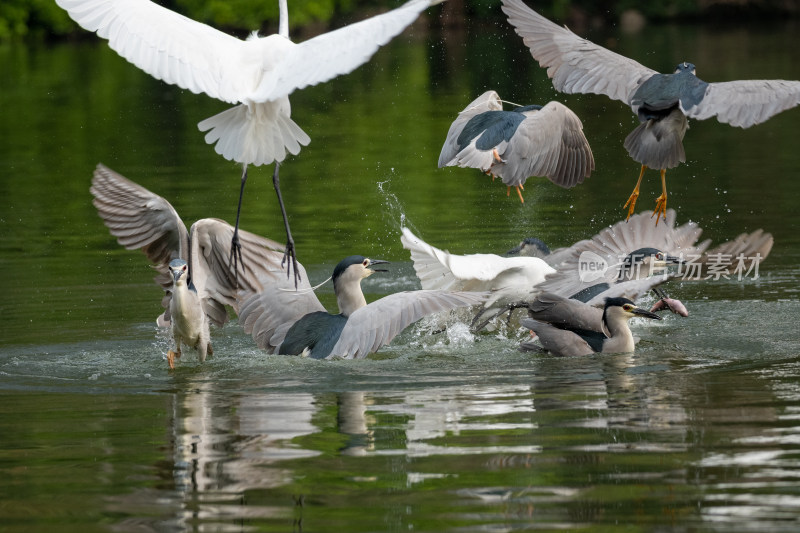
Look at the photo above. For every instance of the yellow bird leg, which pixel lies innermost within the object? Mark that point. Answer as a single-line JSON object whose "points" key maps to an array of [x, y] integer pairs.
{"points": [[519, 189], [519, 193], [634, 195], [661, 201], [497, 156]]}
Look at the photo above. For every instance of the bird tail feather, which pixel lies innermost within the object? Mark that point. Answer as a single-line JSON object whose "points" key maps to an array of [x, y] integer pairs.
{"points": [[255, 133], [651, 144]]}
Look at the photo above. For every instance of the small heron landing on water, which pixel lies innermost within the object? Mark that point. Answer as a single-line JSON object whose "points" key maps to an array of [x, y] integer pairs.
{"points": [[514, 145], [568, 327], [258, 74], [294, 322], [663, 102], [197, 279]]}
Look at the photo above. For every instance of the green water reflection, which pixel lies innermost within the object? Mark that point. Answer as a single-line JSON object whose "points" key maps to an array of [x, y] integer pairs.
{"points": [[696, 431]]}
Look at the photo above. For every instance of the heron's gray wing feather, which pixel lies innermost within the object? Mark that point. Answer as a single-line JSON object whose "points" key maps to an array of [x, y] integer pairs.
{"points": [[213, 272], [165, 44], [558, 341], [735, 257], [611, 245], [565, 312], [267, 315], [549, 142], [746, 102], [751, 244], [560, 255], [488, 101], [338, 52], [376, 324], [630, 289], [140, 219], [574, 64]]}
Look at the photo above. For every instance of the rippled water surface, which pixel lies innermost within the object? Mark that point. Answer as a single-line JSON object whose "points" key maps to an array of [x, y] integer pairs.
{"points": [[698, 430]]}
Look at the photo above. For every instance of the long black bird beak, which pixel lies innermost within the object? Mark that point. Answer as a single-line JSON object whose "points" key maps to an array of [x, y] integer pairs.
{"points": [[378, 262], [638, 311], [674, 260]]}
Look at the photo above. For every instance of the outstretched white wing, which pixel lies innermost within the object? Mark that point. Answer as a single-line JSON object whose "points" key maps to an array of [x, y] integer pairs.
{"points": [[338, 52], [166, 45]]}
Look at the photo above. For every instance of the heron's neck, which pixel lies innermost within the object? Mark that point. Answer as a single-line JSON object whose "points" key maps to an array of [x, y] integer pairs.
{"points": [[620, 337], [349, 296], [283, 20]]}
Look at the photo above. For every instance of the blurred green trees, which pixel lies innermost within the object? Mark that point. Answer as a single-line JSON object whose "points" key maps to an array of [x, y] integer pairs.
{"points": [[43, 18]]}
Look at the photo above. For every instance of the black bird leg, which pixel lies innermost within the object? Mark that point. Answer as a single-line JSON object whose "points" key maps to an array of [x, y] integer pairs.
{"points": [[235, 255], [289, 253]]}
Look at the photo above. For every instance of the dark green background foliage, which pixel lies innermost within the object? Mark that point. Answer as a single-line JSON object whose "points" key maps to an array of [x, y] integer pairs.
{"points": [[43, 18]]}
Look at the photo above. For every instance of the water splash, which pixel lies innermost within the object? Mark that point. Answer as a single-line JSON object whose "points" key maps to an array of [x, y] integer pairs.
{"points": [[394, 212]]}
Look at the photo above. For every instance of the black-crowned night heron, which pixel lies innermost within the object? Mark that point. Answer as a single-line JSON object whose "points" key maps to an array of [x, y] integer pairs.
{"points": [[568, 327], [294, 322], [198, 280], [258, 74], [628, 259], [663, 102], [527, 141], [510, 279], [610, 262]]}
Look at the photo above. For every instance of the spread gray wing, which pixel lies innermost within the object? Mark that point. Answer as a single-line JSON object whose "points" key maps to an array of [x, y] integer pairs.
{"points": [[746, 102], [611, 245], [267, 315], [376, 324], [488, 101], [138, 218], [548, 142], [732, 258], [574, 64], [565, 312], [213, 273]]}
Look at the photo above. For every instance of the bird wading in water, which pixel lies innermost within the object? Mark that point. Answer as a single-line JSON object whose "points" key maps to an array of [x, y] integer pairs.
{"points": [[568, 327], [198, 280]]}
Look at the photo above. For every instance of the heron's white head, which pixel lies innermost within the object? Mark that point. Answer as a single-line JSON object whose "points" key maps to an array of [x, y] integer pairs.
{"points": [[180, 271], [347, 278]]}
